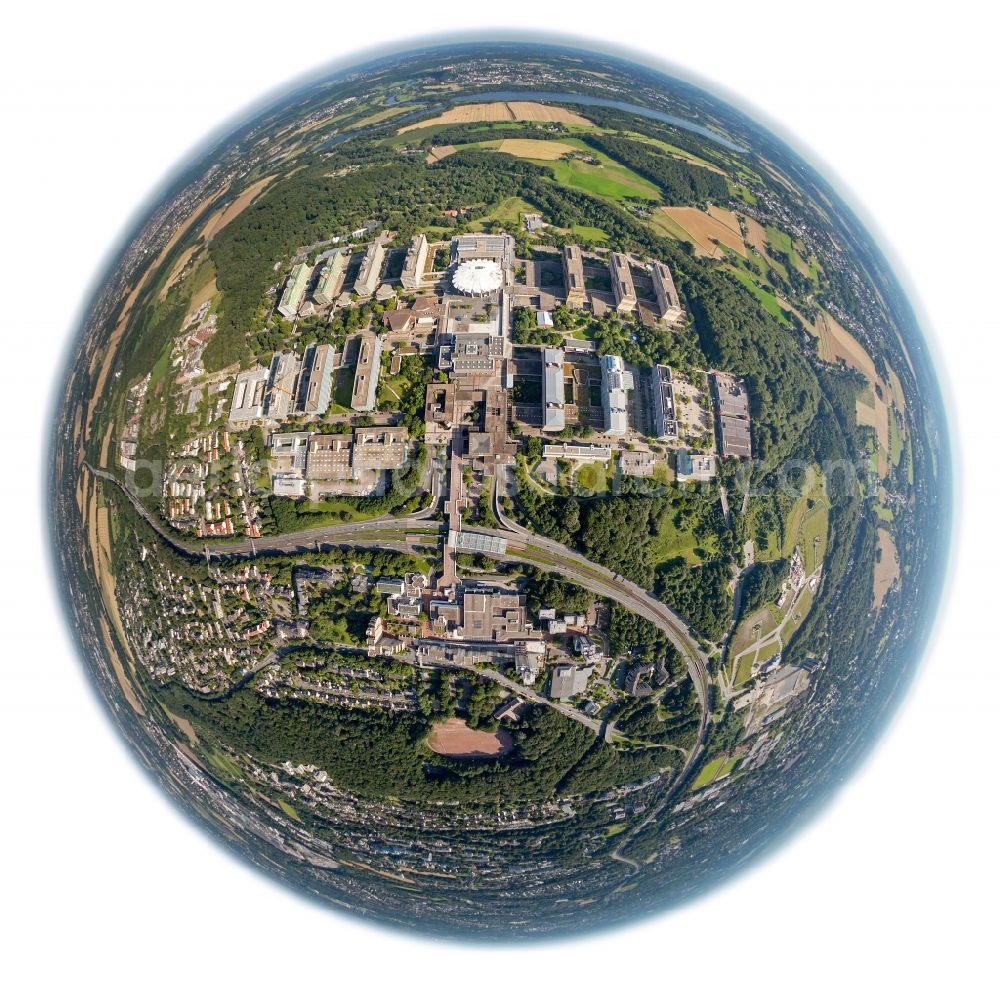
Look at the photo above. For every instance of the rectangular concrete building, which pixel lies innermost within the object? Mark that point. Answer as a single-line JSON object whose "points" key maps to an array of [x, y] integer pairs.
{"points": [[366, 372], [248, 395], [621, 282], [615, 383], [379, 448], [577, 453], [282, 385], [553, 390], [666, 293], [329, 456], [664, 408], [330, 278], [484, 246], [316, 382], [416, 263], [295, 291], [371, 268], [576, 287]]}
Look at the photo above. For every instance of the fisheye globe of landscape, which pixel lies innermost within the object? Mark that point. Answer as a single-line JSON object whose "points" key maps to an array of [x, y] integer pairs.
{"points": [[500, 490]]}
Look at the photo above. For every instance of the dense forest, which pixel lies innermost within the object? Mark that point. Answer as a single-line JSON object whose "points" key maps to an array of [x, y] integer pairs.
{"points": [[680, 182]]}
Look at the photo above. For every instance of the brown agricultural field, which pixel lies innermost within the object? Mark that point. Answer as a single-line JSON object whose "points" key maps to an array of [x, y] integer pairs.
{"points": [[532, 148], [493, 113], [887, 567], [718, 223]]}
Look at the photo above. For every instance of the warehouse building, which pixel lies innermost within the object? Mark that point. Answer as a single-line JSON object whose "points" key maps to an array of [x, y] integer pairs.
{"points": [[666, 293], [553, 390], [732, 404], [576, 287], [295, 291], [371, 267], [331, 277], [416, 263], [621, 282], [615, 384], [248, 395], [329, 456], [366, 372]]}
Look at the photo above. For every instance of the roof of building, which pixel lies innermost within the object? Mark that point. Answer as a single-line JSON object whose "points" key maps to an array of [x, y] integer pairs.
{"points": [[478, 277]]}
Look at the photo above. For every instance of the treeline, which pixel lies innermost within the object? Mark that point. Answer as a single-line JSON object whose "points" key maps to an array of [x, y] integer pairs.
{"points": [[763, 584], [681, 182], [700, 594]]}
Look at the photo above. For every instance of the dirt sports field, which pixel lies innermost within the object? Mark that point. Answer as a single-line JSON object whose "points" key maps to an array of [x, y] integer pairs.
{"points": [[494, 113], [455, 738]]}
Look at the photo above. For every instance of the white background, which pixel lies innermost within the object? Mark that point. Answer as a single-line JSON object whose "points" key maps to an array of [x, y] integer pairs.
{"points": [[105, 883]]}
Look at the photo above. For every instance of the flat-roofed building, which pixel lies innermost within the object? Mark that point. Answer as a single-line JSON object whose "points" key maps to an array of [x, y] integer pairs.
{"points": [[472, 353], [666, 293], [366, 372], [735, 437], [295, 291], [493, 615], [248, 395], [576, 286], [664, 404], [416, 263], [578, 453], [329, 456], [282, 385], [621, 282], [499, 247], [732, 403], [569, 680], [616, 381], [637, 463], [316, 382], [694, 466], [371, 267], [288, 451], [379, 448], [331, 277], [553, 390]]}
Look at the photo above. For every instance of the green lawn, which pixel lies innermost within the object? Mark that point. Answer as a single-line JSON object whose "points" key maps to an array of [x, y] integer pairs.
{"points": [[709, 772], [507, 212], [587, 233], [670, 542]]}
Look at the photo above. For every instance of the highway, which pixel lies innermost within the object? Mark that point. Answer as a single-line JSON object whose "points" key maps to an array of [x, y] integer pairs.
{"points": [[522, 546]]}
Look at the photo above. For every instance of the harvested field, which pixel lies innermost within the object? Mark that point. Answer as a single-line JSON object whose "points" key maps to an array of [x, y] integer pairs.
{"points": [[493, 113], [233, 210], [887, 567], [718, 224], [756, 234], [439, 152], [455, 738], [531, 148]]}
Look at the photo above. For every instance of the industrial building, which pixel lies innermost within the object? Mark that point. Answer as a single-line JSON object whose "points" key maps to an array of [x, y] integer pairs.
{"points": [[664, 407], [666, 293], [316, 382], [366, 372], [282, 385], [576, 287], [371, 268], [615, 384], [553, 390], [416, 263], [248, 395], [621, 282], [732, 404], [331, 277], [295, 291]]}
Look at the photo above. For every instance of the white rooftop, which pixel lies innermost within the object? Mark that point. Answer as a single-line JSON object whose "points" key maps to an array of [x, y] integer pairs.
{"points": [[478, 277]]}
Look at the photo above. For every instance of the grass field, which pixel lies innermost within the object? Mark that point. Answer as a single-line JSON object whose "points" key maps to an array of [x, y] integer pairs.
{"points": [[769, 300], [709, 772], [507, 212], [587, 233], [670, 542]]}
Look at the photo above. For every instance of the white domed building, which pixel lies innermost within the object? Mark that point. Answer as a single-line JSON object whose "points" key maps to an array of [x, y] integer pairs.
{"points": [[477, 277]]}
